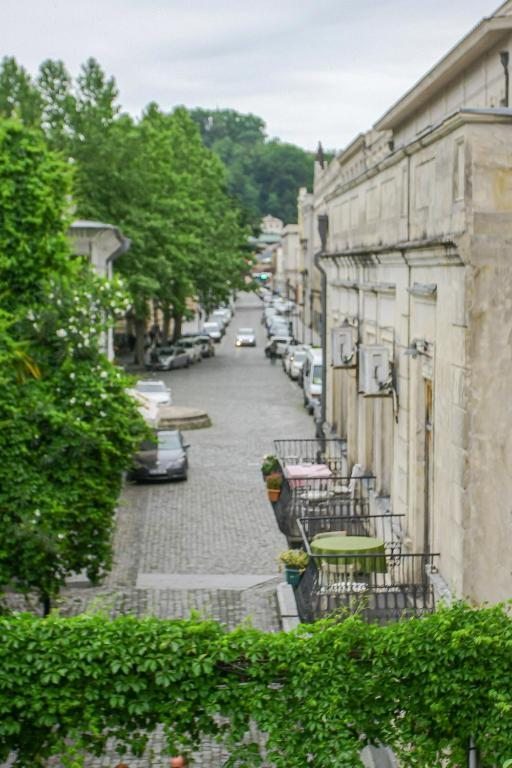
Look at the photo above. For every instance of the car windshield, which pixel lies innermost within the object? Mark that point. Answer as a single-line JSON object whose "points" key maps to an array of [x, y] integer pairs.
{"points": [[249, 331], [211, 326], [299, 357], [169, 441], [166, 351], [317, 374], [185, 343], [151, 386]]}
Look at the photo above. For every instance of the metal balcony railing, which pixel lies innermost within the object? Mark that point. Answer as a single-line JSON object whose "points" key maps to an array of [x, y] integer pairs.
{"points": [[334, 496], [386, 527], [337, 585], [331, 452]]}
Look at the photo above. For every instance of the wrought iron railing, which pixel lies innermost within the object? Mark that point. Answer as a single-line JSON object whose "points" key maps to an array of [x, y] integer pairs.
{"points": [[333, 496], [379, 588], [386, 527], [331, 452]]}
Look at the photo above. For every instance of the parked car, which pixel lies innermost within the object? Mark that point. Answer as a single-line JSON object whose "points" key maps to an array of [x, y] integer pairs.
{"points": [[172, 357], [294, 353], [214, 330], [312, 377], [164, 457], [192, 345], [221, 316], [154, 390], [207, 346], [278, 327], [245, 337], [277, 345], [297, 360]]}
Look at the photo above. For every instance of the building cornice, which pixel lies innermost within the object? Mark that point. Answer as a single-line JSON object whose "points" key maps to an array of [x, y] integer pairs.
{"points": [[432, 134], [486, 34], [436, 250]]}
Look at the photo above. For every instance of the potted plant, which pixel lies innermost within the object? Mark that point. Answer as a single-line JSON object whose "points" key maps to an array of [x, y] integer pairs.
{"points": [[295, 562], [270, 464], [274, 483]]}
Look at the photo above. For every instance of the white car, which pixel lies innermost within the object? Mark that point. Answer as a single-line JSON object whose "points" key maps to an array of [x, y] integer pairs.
{"points": [[221, 316], [245, 337], [296, 363], [213, 330], [155, 391]]}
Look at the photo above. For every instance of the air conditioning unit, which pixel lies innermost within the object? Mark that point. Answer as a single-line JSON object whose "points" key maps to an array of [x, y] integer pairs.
{"points": [[374, 370], [344, 352]]}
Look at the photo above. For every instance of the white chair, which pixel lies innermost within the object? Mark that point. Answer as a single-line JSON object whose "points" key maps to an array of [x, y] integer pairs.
{"points": [[350, 489]]}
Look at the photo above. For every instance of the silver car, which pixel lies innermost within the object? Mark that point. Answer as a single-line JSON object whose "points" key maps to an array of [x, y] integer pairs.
{"points": [[245, 337], [155, 391]]}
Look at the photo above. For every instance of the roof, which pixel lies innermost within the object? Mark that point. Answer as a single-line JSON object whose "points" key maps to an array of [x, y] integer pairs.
{"points": [[482, 37], [87, 227]]}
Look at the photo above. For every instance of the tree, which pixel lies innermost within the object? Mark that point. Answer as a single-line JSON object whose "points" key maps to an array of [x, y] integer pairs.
{"points": [[69, 429], [19, 96], [264, 176]]}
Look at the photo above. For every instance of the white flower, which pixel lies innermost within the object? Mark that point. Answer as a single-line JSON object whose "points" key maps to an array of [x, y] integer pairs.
{"points": [[60, 535], [103, 374], [71, 375], [72, 401], [61, 333], [88, 403], [102, 413], [37, 513], [30, 315]]}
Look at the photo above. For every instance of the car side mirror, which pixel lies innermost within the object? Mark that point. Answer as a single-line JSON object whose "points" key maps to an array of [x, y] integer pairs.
{"points": [[185, 445]]}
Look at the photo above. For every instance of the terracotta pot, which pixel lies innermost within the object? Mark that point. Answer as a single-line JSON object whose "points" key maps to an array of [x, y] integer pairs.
{"points": [[273, 493], [122, 765], [177, 762]]}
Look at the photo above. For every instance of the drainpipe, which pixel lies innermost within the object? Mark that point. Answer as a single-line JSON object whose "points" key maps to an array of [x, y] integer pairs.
{"points": [[504, 58], [323, 228]]}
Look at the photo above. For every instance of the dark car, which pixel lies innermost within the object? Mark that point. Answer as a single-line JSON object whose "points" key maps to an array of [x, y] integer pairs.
{"points": [[162, 458]]}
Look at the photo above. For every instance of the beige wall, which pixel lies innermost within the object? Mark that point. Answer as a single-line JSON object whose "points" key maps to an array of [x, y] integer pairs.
{"points": [[437, 216]]}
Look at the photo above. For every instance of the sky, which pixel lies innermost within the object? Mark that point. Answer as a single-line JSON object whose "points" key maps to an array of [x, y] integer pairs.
{"points": [[312, 69]]}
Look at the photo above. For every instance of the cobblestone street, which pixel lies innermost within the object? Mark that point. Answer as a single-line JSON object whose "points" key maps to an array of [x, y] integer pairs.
{"points": [[209, 543]]}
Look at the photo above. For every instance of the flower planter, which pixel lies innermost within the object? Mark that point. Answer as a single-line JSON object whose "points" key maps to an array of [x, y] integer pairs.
{"points": [[273, 494], [292, 575]]}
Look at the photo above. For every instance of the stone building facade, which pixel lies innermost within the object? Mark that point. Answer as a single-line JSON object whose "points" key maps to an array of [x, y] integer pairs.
{"points": [[419, 308]]}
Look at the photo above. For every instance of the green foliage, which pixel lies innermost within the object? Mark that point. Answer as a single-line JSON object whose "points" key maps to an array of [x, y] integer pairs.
{"points": [[421, 686], [264, 176], [68, 428], [294, 558], [19, 96], [274, 481], [270, 464], [33, 190]]}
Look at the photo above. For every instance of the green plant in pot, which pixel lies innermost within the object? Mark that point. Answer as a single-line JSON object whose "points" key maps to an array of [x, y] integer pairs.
{"points": [[270, 464], [295, 562], [274, 482]]}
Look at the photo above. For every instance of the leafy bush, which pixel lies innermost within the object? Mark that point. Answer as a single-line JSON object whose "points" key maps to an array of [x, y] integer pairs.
{"points": [[320, 693], [270, 464], [294, 558]]}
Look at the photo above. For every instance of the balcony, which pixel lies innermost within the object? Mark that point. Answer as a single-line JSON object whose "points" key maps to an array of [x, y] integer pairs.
{"points": [[381, 586], [331, 452], [334, 496]]}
